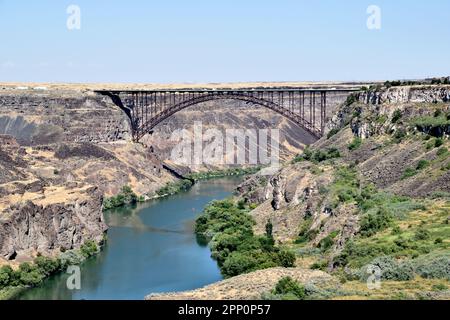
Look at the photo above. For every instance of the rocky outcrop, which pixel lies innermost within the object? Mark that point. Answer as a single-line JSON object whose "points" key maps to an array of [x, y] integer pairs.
{"points": [[286, 199], [405, 94], [57, 116], [29, 228]]}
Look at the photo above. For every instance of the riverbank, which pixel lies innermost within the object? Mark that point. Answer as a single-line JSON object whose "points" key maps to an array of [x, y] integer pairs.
{"points": [[127, 196], [228, 228], [14, 282], [151, 247]]}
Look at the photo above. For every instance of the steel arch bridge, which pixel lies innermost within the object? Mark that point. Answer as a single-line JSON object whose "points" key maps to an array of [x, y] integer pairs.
{"points": [[147, 108]]}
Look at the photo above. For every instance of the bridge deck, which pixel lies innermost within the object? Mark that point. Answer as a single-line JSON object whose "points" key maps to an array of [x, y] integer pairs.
{"points": [[224, 90]]}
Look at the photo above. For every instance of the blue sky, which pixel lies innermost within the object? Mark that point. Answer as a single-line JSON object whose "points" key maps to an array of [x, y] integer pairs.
{"points": [[175, 41]]}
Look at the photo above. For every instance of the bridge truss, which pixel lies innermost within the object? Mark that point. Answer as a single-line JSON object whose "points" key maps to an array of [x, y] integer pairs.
{"points": [[147, 108]]}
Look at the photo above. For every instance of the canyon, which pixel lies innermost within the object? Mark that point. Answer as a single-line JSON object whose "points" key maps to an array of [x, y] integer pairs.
{"points": [[63, 149]]}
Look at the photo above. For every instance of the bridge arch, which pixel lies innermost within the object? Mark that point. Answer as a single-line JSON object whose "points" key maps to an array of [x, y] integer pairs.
{"points": [[148, 108], [167, 113]]}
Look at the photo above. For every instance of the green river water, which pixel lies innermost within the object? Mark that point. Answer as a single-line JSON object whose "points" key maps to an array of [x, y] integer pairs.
{"points": [[151, 248]]}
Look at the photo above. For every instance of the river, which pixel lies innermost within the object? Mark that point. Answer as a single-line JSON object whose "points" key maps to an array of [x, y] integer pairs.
{"points": [[151, 247]]}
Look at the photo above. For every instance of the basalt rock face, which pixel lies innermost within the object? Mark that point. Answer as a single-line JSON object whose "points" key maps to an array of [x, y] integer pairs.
{"points": [[28, 228], [405, 94], [375, 109], [56, 116]]}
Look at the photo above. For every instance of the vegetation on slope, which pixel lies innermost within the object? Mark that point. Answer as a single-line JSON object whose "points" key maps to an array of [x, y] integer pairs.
{"points": [[229, 230], [33, 274], [126, 196]]}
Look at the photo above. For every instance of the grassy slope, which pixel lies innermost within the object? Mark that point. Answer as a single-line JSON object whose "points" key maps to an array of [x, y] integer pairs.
{"points": [[417, 232]]}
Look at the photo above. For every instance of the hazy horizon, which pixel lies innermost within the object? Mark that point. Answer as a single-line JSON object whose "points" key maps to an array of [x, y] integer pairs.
{"points": [[176, 42]]}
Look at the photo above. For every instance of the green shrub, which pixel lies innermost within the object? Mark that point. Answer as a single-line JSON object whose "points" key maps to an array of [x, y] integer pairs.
{"points": [[442, 151], [422, 234], [321, 265], [396, 230], [88, 249], [29, 274], [289, 287], [229, 231], [356, 143], [439, 287], [221, 173], [332, 132], [47, 266], [175, 187], [6, 276], [390, 269], [438, 142], [327, 242], [422, 164], [399, 135], [438, 267], [71, 257], [352, 98], [437, 113], [269, 231], [396, 116], [372, 223], [126, 196], [409, 172], [318, 155]]}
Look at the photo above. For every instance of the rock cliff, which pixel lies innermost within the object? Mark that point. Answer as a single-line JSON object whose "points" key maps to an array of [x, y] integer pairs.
{"points": [[40, 226]]}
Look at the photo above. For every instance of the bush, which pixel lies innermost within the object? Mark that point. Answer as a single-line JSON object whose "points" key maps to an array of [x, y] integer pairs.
{"points": [[390, 269], [442, 151], [287, 287], [321, 265], [409, 172], [438, 268], [318, 155], [286, 259], [89, 248], [71, 257], [439, 287], [396, 116], [332, 132], [126, 196], [352, 98], [422, 164], [6, 276], [47, 266], [326, 243], [356, 143], [372, 223], [396, 230], [174, 187], [422, 234], [229, 229], [399, 135], [438, 142]]}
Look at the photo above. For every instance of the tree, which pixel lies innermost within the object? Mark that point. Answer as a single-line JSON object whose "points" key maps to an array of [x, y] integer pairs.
{"points": [[286, 259], [238, 263], [6, 273]]}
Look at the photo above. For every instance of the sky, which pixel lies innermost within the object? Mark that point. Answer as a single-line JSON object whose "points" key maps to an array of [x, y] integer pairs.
{"points": [[175, 41]]}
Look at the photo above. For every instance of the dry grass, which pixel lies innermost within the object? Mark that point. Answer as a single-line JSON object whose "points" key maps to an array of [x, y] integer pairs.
{"points": [[413, 289]]}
